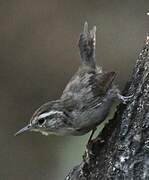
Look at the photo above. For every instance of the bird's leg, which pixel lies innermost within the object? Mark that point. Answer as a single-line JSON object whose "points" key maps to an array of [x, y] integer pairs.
{"points": [[92, 133], [88, 150]]}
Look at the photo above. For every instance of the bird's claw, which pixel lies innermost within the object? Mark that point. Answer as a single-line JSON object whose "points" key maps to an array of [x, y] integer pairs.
{"points": [[89, 152], [124, 99]]}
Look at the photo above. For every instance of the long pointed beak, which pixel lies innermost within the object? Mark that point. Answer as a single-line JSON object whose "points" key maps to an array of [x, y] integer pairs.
{"points": [[26, 128]]}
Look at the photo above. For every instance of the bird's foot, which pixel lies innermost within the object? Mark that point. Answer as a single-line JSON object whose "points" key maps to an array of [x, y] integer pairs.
{"points": [[115, 92], [124, 99], [90, 149]]}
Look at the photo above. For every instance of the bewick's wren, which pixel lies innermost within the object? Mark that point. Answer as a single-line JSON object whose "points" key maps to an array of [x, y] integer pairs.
{"points": [[86, 100]]}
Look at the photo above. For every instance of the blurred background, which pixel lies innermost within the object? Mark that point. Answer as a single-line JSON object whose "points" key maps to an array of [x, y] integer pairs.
{"points": [[38, 55]]}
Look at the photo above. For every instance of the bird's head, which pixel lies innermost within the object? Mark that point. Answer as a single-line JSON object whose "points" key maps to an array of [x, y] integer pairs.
{"points": [[47, 119]]}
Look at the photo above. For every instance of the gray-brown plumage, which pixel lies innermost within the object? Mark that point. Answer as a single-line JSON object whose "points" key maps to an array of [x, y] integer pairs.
{"points": [[86, 100]]}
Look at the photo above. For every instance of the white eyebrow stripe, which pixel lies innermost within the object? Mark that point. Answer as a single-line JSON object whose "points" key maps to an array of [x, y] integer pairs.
{"points": [[49, 113]]}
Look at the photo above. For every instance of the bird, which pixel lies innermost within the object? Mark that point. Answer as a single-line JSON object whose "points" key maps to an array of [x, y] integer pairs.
{"points": [[85, 101]]}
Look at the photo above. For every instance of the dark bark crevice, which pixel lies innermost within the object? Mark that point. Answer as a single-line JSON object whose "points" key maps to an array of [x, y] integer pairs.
{"points": [[122, 150]]}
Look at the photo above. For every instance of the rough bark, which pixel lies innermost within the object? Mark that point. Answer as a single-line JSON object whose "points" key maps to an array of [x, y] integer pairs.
{"points": [[122, 149]]}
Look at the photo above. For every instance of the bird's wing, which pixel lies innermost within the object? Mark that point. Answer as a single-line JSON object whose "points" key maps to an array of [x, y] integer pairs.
{"points": [[86, 88]]}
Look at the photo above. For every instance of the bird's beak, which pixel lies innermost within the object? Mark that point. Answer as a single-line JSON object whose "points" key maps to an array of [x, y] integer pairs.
{"points": [[26, 128]]}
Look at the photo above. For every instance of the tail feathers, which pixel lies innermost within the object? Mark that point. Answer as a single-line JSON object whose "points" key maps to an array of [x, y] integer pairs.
{"points": [[87, 43]]}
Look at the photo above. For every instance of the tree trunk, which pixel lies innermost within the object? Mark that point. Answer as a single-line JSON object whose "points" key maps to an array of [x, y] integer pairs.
{"points": [[122, 149]]}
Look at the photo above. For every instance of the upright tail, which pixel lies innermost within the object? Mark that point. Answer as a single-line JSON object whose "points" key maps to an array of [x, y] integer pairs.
{"points": [[87, 43]]}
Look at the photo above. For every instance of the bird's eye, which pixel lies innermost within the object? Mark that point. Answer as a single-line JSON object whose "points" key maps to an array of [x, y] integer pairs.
{"points": [[41, 121]]}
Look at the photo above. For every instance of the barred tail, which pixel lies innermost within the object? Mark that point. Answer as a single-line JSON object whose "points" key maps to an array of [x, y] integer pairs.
{"points": [[87, 44]]}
